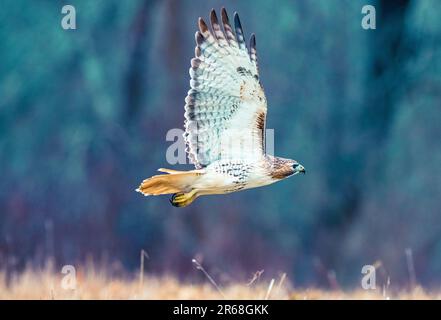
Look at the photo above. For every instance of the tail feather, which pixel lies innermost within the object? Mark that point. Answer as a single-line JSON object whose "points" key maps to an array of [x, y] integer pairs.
{"points": [[171, 170], [172, 182]]}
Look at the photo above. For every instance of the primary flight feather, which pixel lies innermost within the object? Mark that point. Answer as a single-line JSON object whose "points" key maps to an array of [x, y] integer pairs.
{"points": [[225, 114]]}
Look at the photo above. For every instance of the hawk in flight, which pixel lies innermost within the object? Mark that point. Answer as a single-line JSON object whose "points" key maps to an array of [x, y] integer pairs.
{"points": [[225, 114]]}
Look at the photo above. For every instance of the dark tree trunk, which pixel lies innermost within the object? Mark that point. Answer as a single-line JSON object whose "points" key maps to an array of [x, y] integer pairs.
{"points": [[389, 53], [387, 61], [136, 80]]}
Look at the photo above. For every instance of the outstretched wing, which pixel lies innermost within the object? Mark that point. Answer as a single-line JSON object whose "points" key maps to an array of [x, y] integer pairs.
{"points": [[225, 108]]}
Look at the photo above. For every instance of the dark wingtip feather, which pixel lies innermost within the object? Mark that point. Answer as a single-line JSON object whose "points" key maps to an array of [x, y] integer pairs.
{"points": [[237, 24], [199, 38], [202, 25], [197, 51], [239, 32], [237, 20], [224, 16], [228, 30], [213, 17], [217, 30], [195, 62], [252, 50], [253, 41]]}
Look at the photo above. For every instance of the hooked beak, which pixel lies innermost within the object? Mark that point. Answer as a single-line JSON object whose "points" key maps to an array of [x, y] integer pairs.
{"points": [[299, 168]]}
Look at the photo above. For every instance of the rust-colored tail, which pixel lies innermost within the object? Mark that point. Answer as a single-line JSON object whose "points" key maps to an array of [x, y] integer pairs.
{"points": [[178, 183]]}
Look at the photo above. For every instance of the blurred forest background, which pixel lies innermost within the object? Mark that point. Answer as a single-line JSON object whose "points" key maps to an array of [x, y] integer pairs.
{"points": [[84, 114]]}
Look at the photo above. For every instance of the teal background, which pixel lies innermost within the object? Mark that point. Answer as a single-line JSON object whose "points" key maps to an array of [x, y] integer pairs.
{"points": [[84, 114]]}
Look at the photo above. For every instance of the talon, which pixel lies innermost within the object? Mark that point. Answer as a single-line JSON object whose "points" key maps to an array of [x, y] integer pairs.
{"points": [[177, 200], [182, 199]]}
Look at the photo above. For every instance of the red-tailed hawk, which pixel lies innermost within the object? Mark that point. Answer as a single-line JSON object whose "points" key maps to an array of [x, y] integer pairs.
{"points": [[225, 114]]}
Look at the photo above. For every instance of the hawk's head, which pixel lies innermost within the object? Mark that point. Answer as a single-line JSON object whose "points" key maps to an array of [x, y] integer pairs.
{"points": [[297, 167], [282, 168]]}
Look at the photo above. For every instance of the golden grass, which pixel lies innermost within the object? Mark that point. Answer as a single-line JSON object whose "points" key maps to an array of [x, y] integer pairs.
{"points": [[91, 284]]}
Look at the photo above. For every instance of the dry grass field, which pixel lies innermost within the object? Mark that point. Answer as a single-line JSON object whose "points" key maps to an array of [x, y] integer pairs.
{"points": [[93, 284]]}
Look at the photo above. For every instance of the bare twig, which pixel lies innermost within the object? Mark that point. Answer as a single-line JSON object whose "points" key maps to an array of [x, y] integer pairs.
{"points": [[385, 278], [386, 288], [256, 277], [410, 268], [200, 267], [282, 278], [143, 254], [270, 288]]}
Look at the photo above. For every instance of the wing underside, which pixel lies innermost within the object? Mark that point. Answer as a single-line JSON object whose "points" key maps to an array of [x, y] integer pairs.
{"points": [[225, 108]]}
